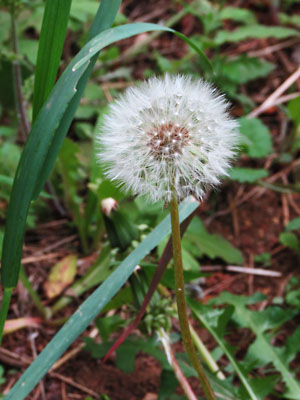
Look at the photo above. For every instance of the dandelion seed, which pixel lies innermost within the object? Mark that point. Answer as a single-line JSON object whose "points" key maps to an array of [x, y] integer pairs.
{"points": [[188, 147]]}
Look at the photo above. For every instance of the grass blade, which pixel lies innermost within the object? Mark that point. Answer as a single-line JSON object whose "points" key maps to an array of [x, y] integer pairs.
{"points": [[92, 306], [103, 20], [51, 42]]}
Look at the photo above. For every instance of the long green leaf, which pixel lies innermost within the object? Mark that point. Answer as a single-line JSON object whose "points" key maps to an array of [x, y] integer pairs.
{"points": [[92, 306], [36, 149], [51, 42], [102, 21]]}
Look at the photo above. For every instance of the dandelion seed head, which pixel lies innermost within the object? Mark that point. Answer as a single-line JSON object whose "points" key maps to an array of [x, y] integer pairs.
{"points": [[168, 132]]}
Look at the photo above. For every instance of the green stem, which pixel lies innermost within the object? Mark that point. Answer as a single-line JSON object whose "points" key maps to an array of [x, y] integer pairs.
{"points": [[181, 304], [4, 309], [45, 311], [205, 355]]}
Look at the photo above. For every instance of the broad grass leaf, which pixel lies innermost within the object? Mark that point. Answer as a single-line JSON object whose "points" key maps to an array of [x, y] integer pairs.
{"points": [[51, 42]]}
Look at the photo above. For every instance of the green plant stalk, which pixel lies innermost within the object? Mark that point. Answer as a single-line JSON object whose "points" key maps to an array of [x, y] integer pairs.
{"points": [[181, 303], [25, 126], [205, 355], [7, 292], [45, 311], [98, 233]]}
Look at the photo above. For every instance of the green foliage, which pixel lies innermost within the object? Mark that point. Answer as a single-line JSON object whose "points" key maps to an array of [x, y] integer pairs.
{"points": [[264, 324], [256, 139], [199, 242], [51, 42], [293, 108], [107, 325], [289, 19], [243, 69], [215, 321], [263, 258], [254, 31], [293, 225], [290, 240], [247, 175], [292, 292], [241, 15]]}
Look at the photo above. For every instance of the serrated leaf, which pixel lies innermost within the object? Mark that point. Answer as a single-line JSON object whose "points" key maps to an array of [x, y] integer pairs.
{"points": [[243, 69], [293, 225], [61, 276], [247, 175], [214, 246], [261, 350], [293, 19], [238, 14], [256, 137], [254, 31], [209, 317]]}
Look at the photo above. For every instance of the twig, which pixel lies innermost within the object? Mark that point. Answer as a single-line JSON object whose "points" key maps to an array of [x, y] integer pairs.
{"points": [[272, 49], [43, 257], [32, 338], [270, 101], [243, 270], [57, 244], [164, 338], [70, 382]]}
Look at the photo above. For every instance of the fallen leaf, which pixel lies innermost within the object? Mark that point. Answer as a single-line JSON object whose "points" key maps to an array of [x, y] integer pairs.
{"points": [[61, 276]]}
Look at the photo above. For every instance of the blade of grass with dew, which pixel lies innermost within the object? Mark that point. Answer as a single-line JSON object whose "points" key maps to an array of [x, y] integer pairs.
{"points": [[103, 20], [90, 308], [53, 32]]}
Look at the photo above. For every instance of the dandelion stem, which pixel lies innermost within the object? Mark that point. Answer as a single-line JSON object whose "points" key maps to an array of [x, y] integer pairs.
{"points": [[181, 303]]}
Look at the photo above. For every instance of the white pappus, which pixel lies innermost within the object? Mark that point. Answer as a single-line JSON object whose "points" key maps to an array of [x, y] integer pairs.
{"points": [[170, 132]]}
